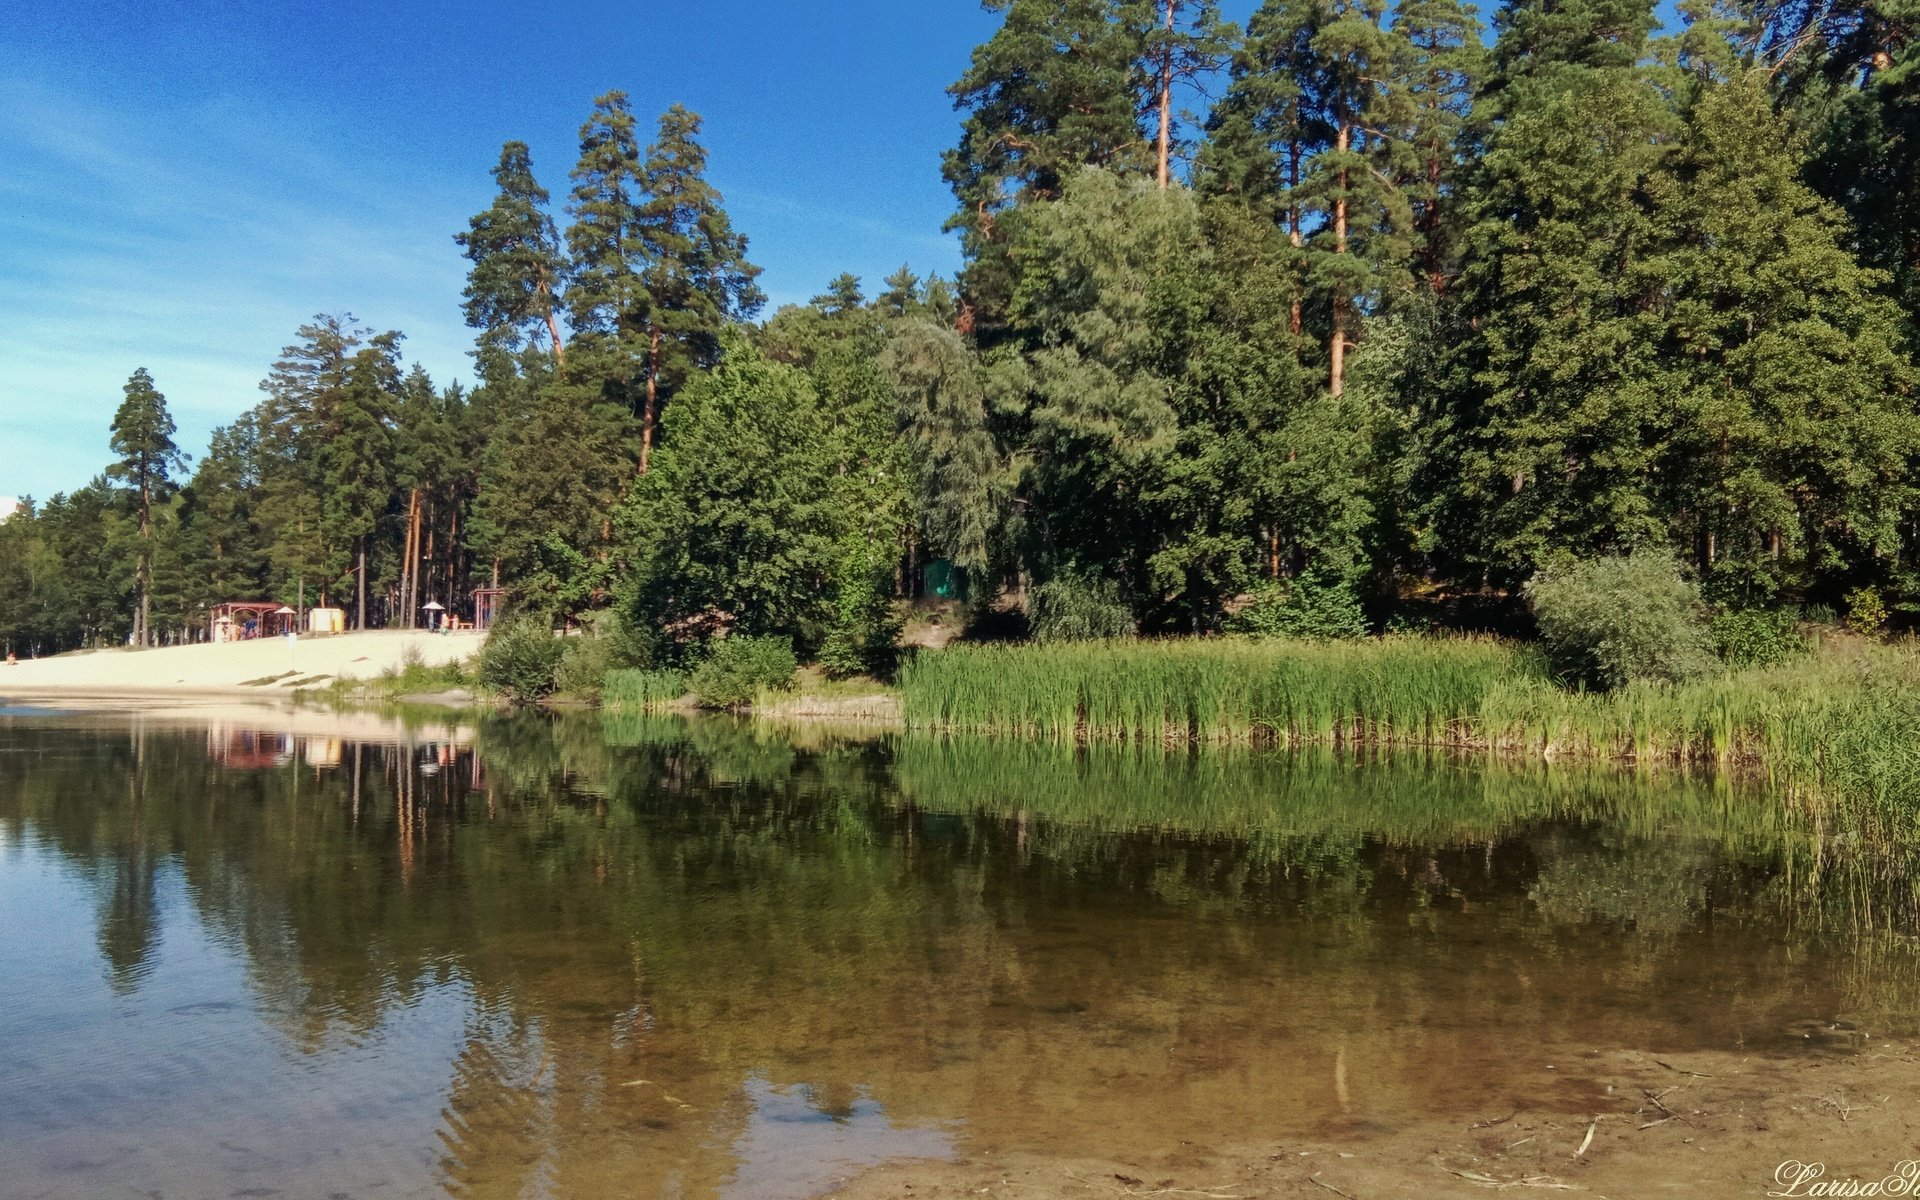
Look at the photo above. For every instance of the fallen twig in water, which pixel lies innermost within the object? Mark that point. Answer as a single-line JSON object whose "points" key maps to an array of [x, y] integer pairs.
{"points": [[1318, 1182], [1532, 1181], [1496, 1121], [1588, 1140], [1669, 1066]]}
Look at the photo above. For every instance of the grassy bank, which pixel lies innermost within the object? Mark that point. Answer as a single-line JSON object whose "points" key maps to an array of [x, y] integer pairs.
{"points": [[1848, 714]]}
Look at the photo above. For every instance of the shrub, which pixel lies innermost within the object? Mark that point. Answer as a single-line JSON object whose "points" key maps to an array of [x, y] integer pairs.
{"points": [[1079, 606], [738, 667], [1866, 611], [865, 633], [1608, 622], [1821, 614], [1758, 637], [604, 645], [521, 657], [1307, 607]]}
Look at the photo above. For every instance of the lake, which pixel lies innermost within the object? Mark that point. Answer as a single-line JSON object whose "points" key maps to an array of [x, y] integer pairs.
{"points": [[299, 955]]}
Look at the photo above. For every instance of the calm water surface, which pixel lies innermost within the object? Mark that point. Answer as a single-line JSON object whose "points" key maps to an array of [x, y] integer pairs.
{"points": [[310, 956]]}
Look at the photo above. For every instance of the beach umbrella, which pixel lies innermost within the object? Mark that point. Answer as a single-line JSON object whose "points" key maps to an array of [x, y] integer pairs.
{"points": [[433, 606], [283, 611]]}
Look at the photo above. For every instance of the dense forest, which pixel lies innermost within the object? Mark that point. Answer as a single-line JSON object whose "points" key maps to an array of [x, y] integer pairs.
{"points": [[1271, 327]]}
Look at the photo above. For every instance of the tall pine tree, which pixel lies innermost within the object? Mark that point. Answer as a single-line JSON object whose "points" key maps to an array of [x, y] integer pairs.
{"points": [[142, 439]]}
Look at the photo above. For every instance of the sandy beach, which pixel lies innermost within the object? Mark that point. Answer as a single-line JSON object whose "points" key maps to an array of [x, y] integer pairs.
{"points": [[263, 667]]}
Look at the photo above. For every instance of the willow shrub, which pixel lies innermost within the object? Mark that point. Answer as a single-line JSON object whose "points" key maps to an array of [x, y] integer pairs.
{"points": [[520, 658], [1609, 622]]}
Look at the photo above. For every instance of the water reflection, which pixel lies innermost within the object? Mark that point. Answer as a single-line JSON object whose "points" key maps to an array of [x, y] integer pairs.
{"points": [[638, 957]]}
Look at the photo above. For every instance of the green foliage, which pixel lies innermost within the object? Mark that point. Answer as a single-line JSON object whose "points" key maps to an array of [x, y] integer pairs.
{"points": [[864, 635], [518, 266], [737, 669], [633, 689], [1866, 611], [735, 526], [1613, 621], [962, 478], [1302, 608], [1758, 637], [605, 645], [1078, 606], [521, 657]]}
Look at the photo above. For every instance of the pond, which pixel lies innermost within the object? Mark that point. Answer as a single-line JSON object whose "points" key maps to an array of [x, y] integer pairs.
{"points": [[281, 954]]}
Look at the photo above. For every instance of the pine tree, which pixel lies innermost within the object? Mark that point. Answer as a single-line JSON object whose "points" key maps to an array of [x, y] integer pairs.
{"points": [[1182, 42], [1440, 61], [696, 278], [427, 457], [302, 413], [1555, 414], [1306, 130], [223, 556], [902, 295], [605, 298], [1266, 130], [1053, 89], [518, 266], [841, 297], [142, 439], [1796, 396], [356, 459], [1361, 249]]}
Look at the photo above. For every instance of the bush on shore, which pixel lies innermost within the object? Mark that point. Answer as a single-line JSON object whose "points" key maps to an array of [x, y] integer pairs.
{"points": [[1609, 622], [521, 657], [737, 669]]}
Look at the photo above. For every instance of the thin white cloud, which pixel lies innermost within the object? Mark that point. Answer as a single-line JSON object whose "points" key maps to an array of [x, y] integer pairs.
{"points": [[194, 245]]}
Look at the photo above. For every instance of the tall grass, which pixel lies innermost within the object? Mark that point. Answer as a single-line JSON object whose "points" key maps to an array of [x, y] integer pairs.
{"points": [[1846, 717], [1390, 690], [631, 690]]}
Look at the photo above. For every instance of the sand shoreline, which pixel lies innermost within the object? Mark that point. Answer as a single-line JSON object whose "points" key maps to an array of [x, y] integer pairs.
{"points": [[263, 669]]}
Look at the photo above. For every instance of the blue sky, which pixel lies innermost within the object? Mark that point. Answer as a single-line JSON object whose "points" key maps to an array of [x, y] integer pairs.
{"points": [[188, 181]]}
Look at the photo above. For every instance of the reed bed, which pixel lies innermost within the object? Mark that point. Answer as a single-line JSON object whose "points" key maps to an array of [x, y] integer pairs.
{"points": [[643, 691], [1389, 690], [1849, 717]]}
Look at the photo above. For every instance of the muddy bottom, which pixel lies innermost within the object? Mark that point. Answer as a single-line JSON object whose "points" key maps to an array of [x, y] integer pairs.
{"points": [[1608, 1124]]}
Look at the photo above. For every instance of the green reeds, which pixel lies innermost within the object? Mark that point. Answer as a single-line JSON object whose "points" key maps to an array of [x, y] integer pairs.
{"points": [[643, 691], [1230, 689], [1847, 719]]}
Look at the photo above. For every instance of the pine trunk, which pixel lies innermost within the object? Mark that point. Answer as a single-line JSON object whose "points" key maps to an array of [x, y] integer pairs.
{"points": [[410, 587], [1166, 100], [1337, 345], [653, 397], [360, 584], [1294, 238], [1431, 218], [143, 622]]}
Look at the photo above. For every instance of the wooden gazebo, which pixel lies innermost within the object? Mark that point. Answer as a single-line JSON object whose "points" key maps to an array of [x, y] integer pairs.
{"points": [[241, 620]]}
